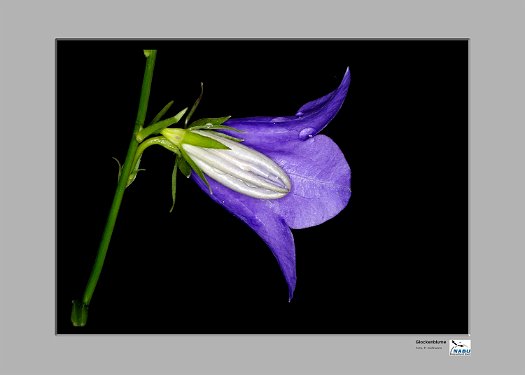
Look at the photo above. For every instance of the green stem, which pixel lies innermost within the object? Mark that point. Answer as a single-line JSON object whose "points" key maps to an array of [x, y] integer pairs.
{"points": [[161, 141], [79, 311]]}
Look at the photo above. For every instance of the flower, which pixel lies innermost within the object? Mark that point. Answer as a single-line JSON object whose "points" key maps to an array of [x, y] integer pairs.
{"points": [[316, 167]]}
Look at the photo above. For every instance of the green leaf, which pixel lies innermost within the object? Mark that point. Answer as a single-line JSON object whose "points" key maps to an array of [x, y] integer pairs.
{"points": [[195, 105], [205, 123], [161, 113], [119, 167], [229, 137], [179, 115], [134, 172], [216, 127], [202, 141], [174, 183], [196, 168], [184, 168], [158, 126]]}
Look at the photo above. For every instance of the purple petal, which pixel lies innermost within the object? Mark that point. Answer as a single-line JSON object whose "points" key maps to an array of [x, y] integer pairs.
{"points": [[320, 189], [316, 166], [259, 216], [270, 132], [320, 179]]}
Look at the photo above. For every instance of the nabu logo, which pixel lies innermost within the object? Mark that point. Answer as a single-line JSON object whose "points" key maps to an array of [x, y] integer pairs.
{"points": [[459, 347]]}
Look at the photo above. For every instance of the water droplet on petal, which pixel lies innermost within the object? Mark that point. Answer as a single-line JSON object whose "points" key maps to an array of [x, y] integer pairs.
{"points": [[306, 133]]}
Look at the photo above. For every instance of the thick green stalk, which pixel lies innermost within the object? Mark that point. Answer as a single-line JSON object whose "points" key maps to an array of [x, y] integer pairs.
{"points": [[79, 312]]}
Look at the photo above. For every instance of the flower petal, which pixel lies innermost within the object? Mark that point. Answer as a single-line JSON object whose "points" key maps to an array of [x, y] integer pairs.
{"points": [[270, 132], [319, 174], [258, 215], [320, 178]]}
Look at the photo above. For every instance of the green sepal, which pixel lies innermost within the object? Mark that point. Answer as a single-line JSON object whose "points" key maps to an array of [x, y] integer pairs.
{"points": [[216, 127], [196, 168], [162, 141], [161, 113], [195, 105], [174, 183], [184, 167], [228, 137], [207, 122], [158, 126], [198, 140]]}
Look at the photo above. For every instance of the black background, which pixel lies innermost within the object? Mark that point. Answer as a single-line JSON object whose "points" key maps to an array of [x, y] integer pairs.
{"points": [[395, 260]]}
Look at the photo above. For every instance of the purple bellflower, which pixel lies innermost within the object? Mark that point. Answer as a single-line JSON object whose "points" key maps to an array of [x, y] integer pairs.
{"points": [[296, 178], [282, 175]]}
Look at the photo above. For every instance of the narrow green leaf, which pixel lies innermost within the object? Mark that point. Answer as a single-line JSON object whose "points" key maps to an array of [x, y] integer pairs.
{"points": [[161, 113], [119, 167], [134, 172], [179, 115], [206, 122], [196, 168], [216, 127], [202, 141], [184, 167], [174, 183], [195, 105], [158, 126], [229, 137]]}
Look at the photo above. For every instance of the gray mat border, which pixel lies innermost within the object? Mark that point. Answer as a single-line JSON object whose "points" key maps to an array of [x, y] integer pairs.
{"points": [[28, 32]]}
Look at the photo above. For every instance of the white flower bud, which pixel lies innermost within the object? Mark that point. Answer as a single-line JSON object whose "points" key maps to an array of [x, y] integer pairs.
{"points": [[240, 168]]}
